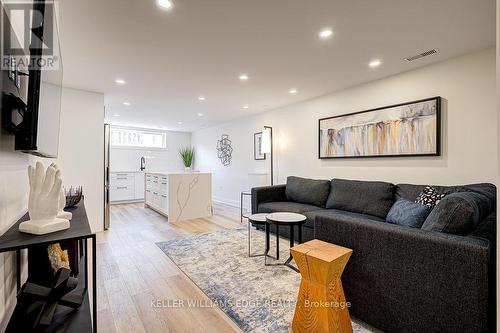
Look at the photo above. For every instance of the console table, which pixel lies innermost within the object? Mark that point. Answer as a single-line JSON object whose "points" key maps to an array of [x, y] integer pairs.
{"points": [[65, 319]]}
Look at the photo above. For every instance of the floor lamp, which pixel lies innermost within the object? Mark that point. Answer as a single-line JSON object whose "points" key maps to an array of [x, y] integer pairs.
{"points": [[267, 146]]}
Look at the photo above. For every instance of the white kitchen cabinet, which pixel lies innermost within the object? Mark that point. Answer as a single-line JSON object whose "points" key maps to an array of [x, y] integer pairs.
{"points": [[126, 187], [139, 186]]}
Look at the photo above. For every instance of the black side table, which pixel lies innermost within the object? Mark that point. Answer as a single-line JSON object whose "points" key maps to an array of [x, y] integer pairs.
{"points": [[285, 219]]}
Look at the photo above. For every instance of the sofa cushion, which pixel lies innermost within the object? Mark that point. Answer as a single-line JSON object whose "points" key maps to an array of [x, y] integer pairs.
{"points": [[408, 213], [365, 197], [307, 191], [458, 213]]}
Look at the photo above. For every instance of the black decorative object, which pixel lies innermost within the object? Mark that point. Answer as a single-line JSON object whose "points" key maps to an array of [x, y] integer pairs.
{"points": [[73, 196], [224, 150], [407, 129], [40, 302], [257, 147]]}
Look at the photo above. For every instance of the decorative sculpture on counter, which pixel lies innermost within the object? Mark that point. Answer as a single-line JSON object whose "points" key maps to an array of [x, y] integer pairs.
{"points": [[41, 302], [224, 150], [43, 202], [73, 196], [62, 198]]}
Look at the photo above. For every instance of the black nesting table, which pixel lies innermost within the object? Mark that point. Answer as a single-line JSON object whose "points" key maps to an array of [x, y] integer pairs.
{"points": [[284, 219], [65, 319]]}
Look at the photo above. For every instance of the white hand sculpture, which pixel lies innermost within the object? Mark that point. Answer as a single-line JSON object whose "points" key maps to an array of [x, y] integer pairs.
{"points": [[62, 198], [43, 202]]}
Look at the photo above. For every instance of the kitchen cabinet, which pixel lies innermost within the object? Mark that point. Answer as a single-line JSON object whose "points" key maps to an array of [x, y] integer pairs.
{"points": [[126, 187]]}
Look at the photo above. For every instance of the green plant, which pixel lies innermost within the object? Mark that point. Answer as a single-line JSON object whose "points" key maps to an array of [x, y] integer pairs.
{"points": [[187, 155]]}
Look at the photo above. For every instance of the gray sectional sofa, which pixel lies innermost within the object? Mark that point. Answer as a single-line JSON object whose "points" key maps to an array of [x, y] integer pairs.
{"points": [[437, 278]]}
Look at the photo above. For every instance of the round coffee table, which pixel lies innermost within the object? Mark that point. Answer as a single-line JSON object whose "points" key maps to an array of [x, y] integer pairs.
{"points": [[285, 219], [257, 219]]}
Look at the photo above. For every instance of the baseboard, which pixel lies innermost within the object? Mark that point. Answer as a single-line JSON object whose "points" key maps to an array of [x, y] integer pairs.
{"points": [[225, 201]]}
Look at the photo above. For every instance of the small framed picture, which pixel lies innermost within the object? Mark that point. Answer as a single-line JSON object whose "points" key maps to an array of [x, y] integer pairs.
{"points": [[257, 147]]}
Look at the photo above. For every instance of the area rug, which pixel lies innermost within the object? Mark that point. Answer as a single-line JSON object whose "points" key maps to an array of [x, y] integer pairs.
{"points": [[257, 298]]}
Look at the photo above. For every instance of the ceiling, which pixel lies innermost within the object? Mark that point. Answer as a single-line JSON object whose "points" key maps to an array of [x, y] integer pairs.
{"points": [[199, 48]]}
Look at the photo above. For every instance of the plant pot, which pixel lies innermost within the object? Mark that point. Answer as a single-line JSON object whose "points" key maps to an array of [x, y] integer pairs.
{"points": [[187, 169]]}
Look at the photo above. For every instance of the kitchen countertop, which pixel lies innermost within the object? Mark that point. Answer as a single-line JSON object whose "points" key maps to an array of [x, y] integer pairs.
{"points": [[178, 173]]}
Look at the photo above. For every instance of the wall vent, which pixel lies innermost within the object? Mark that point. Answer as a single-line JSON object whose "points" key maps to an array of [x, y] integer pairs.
{"points": [[421, 55]]}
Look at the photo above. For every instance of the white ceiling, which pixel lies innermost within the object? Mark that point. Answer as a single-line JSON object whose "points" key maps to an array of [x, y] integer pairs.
{"points": [[169, 58]]}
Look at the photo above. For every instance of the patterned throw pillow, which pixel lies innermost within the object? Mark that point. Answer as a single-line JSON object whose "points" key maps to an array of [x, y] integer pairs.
{"points": [[429, 197], [407, 213]]}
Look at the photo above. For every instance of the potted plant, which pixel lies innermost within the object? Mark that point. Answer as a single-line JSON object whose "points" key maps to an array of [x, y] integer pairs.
{"points": [[187, 155]]}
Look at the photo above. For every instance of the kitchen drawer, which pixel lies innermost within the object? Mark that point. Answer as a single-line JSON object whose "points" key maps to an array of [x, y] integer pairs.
{"points": [[149, 196], [122, 181], [164, 203], [121, 193], [122, 174], [156, 199]]}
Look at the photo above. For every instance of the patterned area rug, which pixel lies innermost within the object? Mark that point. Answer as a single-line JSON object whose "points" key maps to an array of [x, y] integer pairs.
{"points": [[258, 298]]}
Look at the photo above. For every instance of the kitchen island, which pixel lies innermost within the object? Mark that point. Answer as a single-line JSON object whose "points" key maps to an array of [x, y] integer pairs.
{"points": [[179, 196]]}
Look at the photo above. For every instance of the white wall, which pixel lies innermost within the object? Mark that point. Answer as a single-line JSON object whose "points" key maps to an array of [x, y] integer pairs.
{"points": [[469, 154], [156, 160], [13, 204], [81, 148]]}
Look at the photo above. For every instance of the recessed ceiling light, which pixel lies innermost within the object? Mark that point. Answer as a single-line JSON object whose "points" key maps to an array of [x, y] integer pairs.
{"points": [[244, 107], [179, 122], [116, 115], [120, 81], [200, 114], [166, 4], [243, 77], [201, 98], [126, 103], [293, 91], [375, 63], [325, 33]]}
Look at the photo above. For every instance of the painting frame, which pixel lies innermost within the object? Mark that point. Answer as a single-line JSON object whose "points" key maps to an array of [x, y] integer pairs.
{"points": [[258, 155], [437, 149]]}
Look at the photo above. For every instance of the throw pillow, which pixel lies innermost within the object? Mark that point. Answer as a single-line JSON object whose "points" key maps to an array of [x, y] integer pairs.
{"points": [[458, 213], [429, 197], [407, 213]]}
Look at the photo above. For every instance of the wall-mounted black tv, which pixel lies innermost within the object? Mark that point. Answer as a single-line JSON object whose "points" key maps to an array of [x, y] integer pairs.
{"points": [[39, 131]]}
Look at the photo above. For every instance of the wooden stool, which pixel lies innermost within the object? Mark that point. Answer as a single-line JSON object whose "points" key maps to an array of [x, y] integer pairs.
{"points": [[321, 304]]}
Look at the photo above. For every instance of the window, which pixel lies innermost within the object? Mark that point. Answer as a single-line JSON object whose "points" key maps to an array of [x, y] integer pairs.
{"points": [[138, 138]]}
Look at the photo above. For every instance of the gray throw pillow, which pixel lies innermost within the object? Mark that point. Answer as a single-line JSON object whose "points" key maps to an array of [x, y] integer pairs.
{"points": [[407, 213], [458, 213], [307, 191]]}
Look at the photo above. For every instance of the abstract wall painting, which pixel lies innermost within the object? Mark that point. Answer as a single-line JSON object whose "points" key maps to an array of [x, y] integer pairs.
{"points": [[408, 129], [257, 147]]}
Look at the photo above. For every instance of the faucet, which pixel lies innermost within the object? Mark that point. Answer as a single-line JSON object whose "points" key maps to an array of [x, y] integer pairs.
{"points": [[143, 163]]}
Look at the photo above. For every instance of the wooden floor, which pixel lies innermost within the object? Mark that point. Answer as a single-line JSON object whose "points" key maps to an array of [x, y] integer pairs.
{"points": [[133, 273]]}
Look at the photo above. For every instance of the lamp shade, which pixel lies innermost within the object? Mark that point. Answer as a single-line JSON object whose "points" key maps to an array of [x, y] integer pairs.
{"points": [[266, 140]]}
